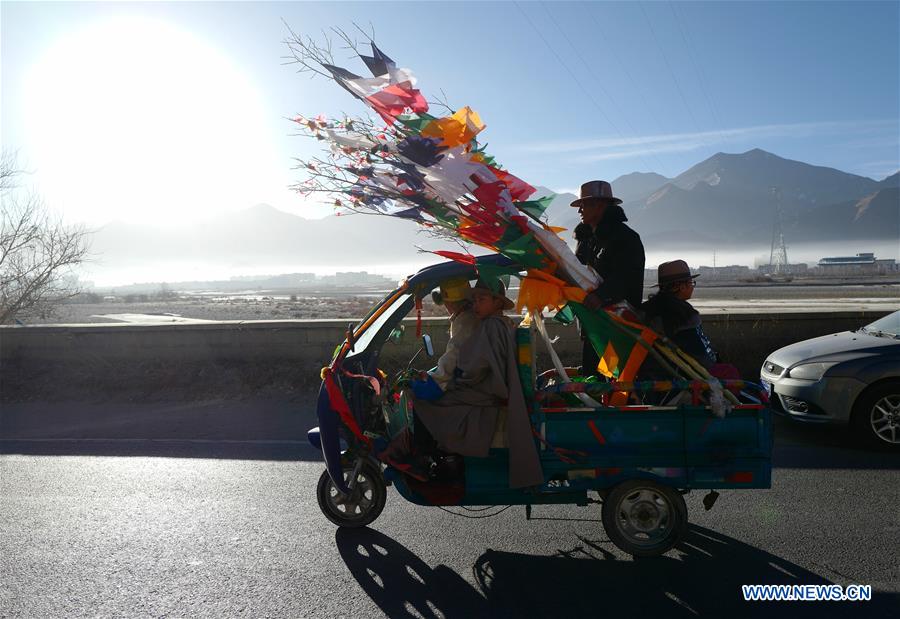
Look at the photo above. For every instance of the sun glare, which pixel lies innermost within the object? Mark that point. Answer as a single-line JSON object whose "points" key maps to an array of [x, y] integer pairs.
{"points": [[137, 120]]}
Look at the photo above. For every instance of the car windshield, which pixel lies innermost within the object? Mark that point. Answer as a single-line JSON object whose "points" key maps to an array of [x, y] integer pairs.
{"points": [[889, 325]]}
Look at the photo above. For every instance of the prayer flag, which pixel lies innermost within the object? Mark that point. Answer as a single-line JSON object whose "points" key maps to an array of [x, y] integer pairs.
{"points": [[460, 128], [622, 345]]}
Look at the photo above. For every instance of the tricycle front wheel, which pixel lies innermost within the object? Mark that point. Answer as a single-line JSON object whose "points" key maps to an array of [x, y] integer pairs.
{"points": [[364, 503], [643, 518]]}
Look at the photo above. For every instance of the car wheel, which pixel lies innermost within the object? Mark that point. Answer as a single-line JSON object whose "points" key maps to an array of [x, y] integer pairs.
{"points": [[876, 415], [643, 518], [364, 503]]}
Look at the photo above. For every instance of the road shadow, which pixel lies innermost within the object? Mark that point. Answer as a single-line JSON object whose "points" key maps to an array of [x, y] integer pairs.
{"points": [[400, 583], [165, 448], [701, 578], [256, 429], [260, 428], [802, 446]]}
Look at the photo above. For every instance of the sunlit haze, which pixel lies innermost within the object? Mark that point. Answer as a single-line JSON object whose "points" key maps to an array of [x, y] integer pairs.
{"points": [[135, 119], [178, 114]]}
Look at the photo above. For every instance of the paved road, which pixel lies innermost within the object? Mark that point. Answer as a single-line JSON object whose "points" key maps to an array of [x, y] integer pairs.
{"points": [[223, 526]]}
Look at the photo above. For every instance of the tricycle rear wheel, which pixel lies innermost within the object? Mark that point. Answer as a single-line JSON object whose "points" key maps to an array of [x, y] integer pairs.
{"points": [[644, 518], [364, 503]]}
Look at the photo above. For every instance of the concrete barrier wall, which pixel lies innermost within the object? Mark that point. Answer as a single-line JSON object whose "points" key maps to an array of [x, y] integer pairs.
{"points": [[42, 357]]}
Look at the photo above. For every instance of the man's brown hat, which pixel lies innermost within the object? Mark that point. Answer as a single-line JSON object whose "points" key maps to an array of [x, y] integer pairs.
{"points": [[595, 190], [673, 272]]}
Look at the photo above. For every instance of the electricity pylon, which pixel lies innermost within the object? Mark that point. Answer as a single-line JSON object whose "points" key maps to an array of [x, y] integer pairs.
{"points": [[778, 260]]}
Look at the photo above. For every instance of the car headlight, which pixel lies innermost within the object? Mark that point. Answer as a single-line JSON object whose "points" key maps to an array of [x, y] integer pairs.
{"points": [[810, 371]]}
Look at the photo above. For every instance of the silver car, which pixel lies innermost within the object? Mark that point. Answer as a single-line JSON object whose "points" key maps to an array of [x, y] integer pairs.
{"points": [[844, 378]]}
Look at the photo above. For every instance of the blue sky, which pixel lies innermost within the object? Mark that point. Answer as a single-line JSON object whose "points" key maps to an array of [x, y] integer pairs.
{"points": [[129, 111]]}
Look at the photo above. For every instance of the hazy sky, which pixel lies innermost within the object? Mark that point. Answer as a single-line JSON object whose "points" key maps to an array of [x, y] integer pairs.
{"points": [[163, 111]]}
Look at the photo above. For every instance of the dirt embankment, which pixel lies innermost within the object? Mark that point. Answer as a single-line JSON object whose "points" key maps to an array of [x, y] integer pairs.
{"points": [[265, 308], [339, 306]]}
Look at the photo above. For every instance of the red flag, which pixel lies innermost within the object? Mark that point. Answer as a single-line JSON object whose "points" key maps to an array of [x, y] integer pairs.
{"points": [[391, 101], [518, 189], [341, 407], [485, 234], [457, 257], [494, 194]]}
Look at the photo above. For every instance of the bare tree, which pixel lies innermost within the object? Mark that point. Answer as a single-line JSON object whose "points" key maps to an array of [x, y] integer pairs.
{"points": [[37, 250]]}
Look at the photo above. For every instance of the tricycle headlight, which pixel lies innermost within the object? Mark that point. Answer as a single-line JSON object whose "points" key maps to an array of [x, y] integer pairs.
{"points": [[810, 371]]}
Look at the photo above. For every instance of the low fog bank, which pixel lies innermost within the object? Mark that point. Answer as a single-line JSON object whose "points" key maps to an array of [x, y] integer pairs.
{"points": [[105, 275]]}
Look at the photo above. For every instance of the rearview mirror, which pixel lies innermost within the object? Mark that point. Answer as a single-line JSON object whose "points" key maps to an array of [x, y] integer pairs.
{"points": [[429, 347]]}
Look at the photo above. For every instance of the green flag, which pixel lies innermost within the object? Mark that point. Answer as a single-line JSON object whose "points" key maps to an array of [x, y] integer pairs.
{"points": [[535, 208], [524, 250], [492, 275], [565, 316], [416, 122]]}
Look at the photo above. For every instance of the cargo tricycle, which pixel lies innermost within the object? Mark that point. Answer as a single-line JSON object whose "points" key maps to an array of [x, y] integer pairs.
{"points": [[638, 459]]}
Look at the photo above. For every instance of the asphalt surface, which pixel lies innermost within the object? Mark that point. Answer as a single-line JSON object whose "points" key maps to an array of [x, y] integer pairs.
{"points": [[132, 516]]}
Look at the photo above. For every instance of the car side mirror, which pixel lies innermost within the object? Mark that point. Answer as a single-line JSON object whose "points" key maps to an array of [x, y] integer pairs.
{"points": [[429, 346]]}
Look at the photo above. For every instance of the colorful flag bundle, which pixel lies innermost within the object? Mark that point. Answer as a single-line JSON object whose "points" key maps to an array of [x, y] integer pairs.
{"points": [[432, 170]]}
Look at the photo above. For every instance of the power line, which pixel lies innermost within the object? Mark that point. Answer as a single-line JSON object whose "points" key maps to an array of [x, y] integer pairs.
{"points": [[576, 80], [700, 74], [612, 50], [597, 79], [669, 67]]}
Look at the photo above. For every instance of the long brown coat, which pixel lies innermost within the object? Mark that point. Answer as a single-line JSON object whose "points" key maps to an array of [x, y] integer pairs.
{"points": [[463, 420]]}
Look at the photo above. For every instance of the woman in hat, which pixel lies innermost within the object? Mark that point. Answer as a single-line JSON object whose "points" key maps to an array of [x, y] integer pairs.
{"points": [[669, 312]]}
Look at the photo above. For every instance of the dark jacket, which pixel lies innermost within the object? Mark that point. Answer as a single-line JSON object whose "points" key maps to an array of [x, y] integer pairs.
{"points": [[617, 254], [680, 322]]}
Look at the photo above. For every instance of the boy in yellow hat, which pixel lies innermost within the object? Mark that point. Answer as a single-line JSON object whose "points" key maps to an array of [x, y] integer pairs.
{"points": [[456, 296]]}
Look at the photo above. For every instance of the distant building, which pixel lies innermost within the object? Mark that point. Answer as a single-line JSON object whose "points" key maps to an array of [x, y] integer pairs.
{"points": [[887, 265], [800, 268], [858, 259], [730, 272], [287, 279], [356, 278], [861, 264], [290, 280]]}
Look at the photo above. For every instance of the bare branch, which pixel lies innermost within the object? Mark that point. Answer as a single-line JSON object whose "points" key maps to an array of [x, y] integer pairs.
{"points": [[37, 251], [442, 102], [369, 35]]}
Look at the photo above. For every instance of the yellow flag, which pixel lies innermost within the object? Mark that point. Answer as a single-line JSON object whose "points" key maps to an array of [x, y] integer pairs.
{"points": [[457, 129], [609, 362]]}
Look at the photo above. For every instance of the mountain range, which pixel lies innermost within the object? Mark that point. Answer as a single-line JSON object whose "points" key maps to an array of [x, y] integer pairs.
{"points": [[726, 200], [734, 199], [264, 235]]}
